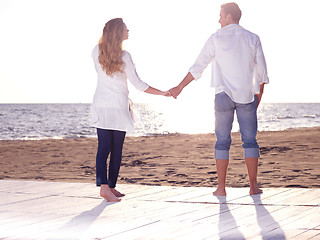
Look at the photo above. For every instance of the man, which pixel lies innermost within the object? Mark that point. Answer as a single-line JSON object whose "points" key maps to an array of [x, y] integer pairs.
{"points": [[238, 75]]}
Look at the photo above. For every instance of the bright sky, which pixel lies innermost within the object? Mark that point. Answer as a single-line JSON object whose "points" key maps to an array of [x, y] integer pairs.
{"points": [[45, 46]]}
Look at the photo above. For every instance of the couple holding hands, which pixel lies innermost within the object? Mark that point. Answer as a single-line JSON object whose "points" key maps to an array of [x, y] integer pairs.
{"points": [[238, 75]]}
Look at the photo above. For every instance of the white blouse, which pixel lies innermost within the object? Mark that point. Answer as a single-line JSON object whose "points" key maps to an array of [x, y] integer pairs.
{"points": [[110, 107]]}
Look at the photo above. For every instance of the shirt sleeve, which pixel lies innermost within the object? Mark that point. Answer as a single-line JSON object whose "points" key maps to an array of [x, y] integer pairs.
{"points": [[261, 66], [132, 74], [94, 55], [205, 57]]}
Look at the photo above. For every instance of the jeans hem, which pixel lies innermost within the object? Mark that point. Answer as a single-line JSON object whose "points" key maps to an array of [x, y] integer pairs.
{"points": [[221, 154], [251, 153]]}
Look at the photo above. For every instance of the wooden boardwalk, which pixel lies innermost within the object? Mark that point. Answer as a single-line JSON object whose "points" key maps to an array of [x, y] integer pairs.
{"points": [[52, 210]]}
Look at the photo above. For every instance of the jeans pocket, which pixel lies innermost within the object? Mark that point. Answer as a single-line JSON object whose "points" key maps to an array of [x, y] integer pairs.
{"points": [[223, 102]]}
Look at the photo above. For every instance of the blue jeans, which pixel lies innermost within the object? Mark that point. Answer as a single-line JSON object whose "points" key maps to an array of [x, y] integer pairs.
{"points": [[247, 119], [109, 141]]}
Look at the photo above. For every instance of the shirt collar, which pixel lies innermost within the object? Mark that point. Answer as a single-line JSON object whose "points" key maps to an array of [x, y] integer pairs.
{"points": [[233, 25], [230, 26]]}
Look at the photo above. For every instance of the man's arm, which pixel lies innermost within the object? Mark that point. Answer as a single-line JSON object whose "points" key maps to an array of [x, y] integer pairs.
{"points": [[259, 96], [262, 70], [205, 57], [177, 90]]}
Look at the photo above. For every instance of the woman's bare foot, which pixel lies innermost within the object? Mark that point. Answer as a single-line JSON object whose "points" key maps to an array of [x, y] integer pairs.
{"points": [[106, 193], [117, 193], [220, 192], [254, 191]]}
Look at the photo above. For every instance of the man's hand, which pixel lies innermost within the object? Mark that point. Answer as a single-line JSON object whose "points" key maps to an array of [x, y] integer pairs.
{"points": [[175, 91], [259, 96]]}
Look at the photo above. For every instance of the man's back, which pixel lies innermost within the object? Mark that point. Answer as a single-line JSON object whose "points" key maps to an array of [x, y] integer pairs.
{"points": [[236, 56], [234, 62]]}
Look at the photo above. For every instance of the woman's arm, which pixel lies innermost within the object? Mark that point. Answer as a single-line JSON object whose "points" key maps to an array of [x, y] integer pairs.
{"points": [[155, 91], [133, 77]]}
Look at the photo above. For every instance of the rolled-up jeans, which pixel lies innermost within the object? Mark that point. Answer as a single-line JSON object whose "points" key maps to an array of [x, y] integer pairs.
{"points": [[247, 119]]}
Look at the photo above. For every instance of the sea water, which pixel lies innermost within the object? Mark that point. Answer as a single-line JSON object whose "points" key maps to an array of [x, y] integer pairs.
{"points": [[41, 121]]}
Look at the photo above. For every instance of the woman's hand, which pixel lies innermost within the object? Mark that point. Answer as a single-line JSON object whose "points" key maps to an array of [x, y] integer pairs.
{"points": [[167, 94]]}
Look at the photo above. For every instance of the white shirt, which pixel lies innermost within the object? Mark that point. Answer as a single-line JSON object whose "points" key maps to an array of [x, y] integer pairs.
{"points": [[110, 107], [238, 63]]}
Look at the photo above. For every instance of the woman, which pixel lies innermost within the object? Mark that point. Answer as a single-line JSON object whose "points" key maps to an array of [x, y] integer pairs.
{"points": [[110, 107]]}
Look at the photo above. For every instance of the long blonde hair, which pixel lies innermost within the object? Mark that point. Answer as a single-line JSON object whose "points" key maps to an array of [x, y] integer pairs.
{"points": [[110, 46]]}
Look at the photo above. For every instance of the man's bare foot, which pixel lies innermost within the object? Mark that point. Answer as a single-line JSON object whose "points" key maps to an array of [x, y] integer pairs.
{"points": [[117, 193], [219, 192], [106, 193], [254, 191]]}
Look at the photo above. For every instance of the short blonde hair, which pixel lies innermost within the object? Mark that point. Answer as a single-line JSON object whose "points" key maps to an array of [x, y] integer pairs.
{"points": [[232, 9]]}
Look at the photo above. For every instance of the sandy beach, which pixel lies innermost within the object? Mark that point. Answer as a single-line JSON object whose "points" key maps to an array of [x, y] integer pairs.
{"points": [[289, 158]]}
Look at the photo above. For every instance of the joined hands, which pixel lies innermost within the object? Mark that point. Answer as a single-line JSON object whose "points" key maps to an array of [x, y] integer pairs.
{"points": [[166, 94], [173, 92]]}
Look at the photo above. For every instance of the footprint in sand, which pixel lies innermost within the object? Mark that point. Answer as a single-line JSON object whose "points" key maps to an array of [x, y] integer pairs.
{"points": [[264, 150], [296, 186], [83, 167], [137, 163], [170, 181], [133, 163], [180, 175], [40, 178], [89, 172], [131, 180]]}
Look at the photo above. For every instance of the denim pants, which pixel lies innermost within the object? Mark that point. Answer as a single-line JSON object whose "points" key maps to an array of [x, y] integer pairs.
{"points": [[109, 141], [247, 119]]}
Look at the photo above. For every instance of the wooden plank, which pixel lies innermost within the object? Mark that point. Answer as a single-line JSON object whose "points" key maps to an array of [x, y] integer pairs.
{"points": [[197, 212], [28, 219], [234, 195], [147, 192], [306, 197], [30, 229], [164, 193], [51, 210], [310, 219], [307, 234], [189, 196], [278, 222], [285, 197], [260, 198]]}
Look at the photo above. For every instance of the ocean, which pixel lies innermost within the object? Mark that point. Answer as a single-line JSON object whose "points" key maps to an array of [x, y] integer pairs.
{"points": [[60, 121]]}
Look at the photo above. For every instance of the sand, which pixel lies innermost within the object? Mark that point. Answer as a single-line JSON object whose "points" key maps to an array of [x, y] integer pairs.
{"points": [[289, 158]]}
